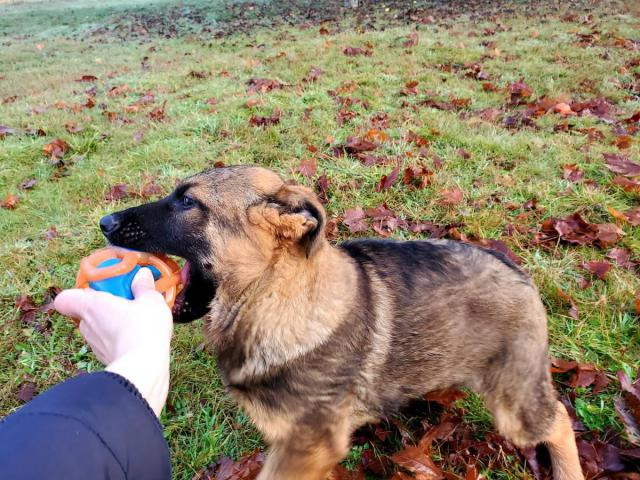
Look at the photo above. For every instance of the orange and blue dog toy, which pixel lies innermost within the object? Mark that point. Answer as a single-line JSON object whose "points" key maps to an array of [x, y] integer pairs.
{"points": [[112, 270]]}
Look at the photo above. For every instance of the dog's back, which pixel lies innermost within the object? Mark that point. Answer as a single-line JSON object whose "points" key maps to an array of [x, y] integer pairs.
{"points": [[450, 314]]}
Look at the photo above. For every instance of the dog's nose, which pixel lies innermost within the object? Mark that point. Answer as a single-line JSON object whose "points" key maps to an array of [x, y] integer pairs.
{"points": [[109, 224]]}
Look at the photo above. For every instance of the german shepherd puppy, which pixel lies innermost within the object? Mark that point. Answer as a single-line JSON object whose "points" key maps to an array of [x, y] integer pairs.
{"points": [[314, 340]]}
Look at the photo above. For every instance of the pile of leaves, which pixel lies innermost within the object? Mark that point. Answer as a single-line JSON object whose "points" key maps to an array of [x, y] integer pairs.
{"points": [[234, 17], [430, 440]]}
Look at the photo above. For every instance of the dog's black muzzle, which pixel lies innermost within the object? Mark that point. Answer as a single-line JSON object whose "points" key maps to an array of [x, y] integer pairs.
{"points": [[109, 224]]}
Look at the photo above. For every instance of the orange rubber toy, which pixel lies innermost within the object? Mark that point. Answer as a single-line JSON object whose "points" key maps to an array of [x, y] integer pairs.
{"points": [[112, 269]]}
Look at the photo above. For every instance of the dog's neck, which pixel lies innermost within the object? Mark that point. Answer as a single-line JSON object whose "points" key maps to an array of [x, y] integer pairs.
{"points": [[286, 309]]}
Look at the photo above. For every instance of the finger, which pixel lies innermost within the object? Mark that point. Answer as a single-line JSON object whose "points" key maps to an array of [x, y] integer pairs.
{"points": [[93, 341], [72, 303], [143, 283], [89, 335]]}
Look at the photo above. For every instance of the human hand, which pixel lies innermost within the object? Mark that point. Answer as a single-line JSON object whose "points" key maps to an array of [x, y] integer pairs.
{"points": [[131, 337]]}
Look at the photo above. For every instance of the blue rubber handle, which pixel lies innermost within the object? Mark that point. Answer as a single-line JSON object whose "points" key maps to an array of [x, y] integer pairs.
{"points": [[120, 285]]}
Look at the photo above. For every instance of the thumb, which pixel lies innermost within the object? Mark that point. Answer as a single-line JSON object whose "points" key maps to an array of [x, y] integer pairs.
{"points": [[142, 283], [72, 303]]}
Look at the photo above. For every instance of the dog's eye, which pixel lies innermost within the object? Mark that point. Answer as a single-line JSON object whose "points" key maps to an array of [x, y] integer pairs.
{"points": [[188, 202]]}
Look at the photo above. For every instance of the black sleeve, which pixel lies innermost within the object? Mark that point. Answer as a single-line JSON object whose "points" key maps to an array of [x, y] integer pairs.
{"points": [[95, 426]]}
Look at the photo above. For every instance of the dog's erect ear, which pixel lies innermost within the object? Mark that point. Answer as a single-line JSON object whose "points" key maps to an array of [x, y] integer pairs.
{"points": [[294, 213], [306, 213]]}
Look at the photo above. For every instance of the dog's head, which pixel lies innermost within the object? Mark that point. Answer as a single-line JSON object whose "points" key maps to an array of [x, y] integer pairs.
{"points": [[229, 224]]}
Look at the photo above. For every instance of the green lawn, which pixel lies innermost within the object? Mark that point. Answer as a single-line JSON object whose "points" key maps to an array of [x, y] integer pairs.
{"points": [[202, 81]]}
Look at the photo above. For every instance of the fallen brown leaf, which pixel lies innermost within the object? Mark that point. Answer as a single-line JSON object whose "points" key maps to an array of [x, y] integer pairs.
{"points": [[87, 78], [571, 172], [412, 40], [118, 90], [563, 109], [627, 184], [6, 131], [354, 145], [519, 91], [73, 127], [573, 311], [246, 468], [410, 89], [355, 51], [157, 114], [28, 184], [417, 177], [150, 189], [418, 140], [450, 196], [628, 407], [263, 85], [619, 163], [51, 233], [117, 192], [354, 219], [464, 154], [254, 102], [417, 462], [574, 229], [386, 181], [28, 310], [259, 121], [56, 148], [622, 257], [197, 74], [345, 115], [499, 246], [384, 221], [375, 135], [599, 269], [341, 473], [446, 398], [307, 167], [10, 202], [322, 189], [582, 374], [623, 142], [633, 216], [27, 391], [314, 74]]}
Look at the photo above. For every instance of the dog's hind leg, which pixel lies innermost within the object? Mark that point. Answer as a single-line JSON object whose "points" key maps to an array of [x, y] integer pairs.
{"points": [[554, 430], [526, 411], [562, 447]]}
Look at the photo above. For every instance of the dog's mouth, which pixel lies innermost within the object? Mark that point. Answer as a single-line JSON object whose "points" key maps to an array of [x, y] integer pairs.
{"points": [[196, 295], [124, 229], [179, 304]]}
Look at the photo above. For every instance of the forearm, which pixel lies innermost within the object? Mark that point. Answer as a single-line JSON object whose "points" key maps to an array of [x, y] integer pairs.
{"points": [[149, 372], [92, 423]]}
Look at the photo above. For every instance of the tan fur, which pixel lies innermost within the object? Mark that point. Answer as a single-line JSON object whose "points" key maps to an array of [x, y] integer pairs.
{"points": [[562, 446], [306, 455], [282, 323], [290, 305], [314, 340]]}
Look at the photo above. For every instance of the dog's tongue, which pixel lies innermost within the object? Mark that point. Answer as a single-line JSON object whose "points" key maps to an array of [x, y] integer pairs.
{"points": [[184, 274]]}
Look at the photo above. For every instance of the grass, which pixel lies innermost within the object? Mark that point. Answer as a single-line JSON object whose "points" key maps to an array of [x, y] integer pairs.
{"points": [[46, 46]]}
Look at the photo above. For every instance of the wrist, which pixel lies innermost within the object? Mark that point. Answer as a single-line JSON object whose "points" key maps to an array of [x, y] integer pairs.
{"points": [[148, 372]]}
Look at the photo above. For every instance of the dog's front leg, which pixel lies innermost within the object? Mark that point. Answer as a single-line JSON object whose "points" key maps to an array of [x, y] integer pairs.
{"points": [[306, 455], [286, 463]]}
